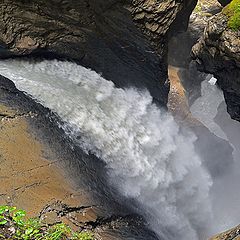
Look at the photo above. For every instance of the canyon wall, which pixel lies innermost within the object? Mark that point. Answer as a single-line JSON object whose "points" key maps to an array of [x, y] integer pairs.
{"points": [[125, 41], [217, 52]]}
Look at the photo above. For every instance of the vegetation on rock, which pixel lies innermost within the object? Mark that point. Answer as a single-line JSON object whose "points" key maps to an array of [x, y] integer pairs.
{"points": [[232, 10], [203, 6], [15, 225]]}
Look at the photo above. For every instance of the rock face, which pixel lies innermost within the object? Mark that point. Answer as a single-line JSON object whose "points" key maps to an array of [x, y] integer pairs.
{"points": [[180, 56], [233, 234], [123, 40], [185, 88], [217, 52], [158, 19]]}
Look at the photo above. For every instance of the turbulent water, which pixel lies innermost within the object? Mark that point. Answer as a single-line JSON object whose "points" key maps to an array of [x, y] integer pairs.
{"points": [[205, 108], [147, 156], [211, 110]]}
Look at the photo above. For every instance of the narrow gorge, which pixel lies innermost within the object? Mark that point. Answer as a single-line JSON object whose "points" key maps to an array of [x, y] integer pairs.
{"points": [[116, 117]]}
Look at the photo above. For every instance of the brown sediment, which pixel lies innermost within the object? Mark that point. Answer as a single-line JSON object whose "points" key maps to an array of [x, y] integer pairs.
{"points": [[44, 172], [177, 99], [30, 173]]}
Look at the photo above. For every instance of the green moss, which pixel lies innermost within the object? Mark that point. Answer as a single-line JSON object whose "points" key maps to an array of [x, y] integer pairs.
{"points": [[198, 8], [15, 225], [232, 10]]}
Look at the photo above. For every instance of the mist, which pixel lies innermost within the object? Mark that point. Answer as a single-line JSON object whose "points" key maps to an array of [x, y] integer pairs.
{"points": [[211, 110], [149, 157]]}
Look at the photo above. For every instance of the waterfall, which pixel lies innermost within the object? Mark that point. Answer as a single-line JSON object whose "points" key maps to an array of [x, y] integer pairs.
{"points": [[147, 156], [210, 108], [205, 107]]}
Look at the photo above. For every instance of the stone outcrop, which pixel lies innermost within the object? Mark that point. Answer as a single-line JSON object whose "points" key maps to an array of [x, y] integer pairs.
{"points": [[158, 19], [180, 56], [123, 40], [217, 52], [232, 234]]}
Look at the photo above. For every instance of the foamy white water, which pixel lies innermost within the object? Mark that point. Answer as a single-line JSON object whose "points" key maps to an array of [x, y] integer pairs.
{"points": [[205, 107], [223, 192], [146, 155]]}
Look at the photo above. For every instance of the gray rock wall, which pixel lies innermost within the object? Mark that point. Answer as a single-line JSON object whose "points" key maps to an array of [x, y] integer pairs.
{"points": [[217, 52], [123, 40]]}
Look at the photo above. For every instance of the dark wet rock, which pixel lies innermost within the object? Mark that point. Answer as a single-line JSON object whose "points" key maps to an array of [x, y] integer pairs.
{"points": [[217, 52], [99, 35], [158, 19], [224, 2], [123, 40], [191, 80], [180, 56]]}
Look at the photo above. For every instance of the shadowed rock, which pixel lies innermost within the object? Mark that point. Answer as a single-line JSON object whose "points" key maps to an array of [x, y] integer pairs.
{"points": [[217, 52], [123, 40], [224, 2]]}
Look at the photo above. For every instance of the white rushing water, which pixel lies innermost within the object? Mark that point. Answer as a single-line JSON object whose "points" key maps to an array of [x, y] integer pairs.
{"points": [[211, 110], [147, 156], [205, 108]]}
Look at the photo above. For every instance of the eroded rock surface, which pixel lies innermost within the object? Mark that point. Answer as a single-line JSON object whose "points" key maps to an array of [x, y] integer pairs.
{"points": [[123, 40], [161, 19], [218, 52], [233, 234], [180, 56]]}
